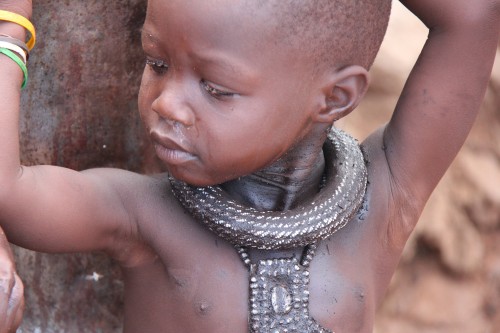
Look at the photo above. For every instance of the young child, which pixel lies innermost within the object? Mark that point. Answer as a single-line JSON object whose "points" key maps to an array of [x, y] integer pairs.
{"points": [[238, 97]]}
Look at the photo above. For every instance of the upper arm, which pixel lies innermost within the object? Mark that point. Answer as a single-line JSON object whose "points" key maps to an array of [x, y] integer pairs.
{"points": [[53, 209], [440, 101]]}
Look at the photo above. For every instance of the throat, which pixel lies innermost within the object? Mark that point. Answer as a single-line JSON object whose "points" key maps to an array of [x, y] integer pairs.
{"points": [[284, 185], [330, 210]]}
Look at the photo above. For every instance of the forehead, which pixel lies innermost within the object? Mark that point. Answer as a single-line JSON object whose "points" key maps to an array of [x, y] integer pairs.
{"points": [[235, 23], [229, 29], [223, 17]]}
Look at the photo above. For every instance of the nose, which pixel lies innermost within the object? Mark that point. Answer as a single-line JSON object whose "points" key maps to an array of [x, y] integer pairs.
{"points": [[172, 106]]}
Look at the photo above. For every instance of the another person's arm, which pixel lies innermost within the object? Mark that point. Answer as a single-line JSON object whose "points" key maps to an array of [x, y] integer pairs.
{"points": [[11, 290]]}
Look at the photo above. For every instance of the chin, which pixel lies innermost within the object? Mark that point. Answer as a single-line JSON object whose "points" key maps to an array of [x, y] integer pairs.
{"points": [[199, 175], [191, 178]]}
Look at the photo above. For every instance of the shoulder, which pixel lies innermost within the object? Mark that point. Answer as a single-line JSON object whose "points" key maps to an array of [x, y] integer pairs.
{"points": [[129, 186], [144, 198]]}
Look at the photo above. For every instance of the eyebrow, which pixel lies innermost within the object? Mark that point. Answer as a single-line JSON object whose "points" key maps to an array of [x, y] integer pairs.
{"points": [[225, 63]]}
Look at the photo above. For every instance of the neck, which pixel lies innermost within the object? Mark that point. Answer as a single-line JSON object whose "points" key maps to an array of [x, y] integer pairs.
{"points": [[286, 183]]}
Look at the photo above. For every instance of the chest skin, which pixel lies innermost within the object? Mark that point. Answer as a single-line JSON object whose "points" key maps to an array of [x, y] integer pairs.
{"points": [[196, 282], [206, 290]]}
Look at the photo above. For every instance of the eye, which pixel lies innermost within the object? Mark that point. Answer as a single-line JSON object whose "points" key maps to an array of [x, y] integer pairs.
{"points": [[158, 66], [216, 91]]}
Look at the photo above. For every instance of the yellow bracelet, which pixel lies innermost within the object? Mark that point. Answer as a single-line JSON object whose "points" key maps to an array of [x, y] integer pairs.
{"points": [[22, 21]]}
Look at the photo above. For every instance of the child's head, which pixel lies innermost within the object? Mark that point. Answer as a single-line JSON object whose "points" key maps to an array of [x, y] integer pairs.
{"points": [[231, 85], [331, 33]]}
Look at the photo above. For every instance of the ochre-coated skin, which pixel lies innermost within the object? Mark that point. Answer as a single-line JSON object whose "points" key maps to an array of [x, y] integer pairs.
{"points": [[225, 109]]}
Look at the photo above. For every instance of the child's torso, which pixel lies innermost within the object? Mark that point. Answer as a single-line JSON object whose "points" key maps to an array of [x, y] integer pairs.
{"points": [[198, 283], [206, 289]]}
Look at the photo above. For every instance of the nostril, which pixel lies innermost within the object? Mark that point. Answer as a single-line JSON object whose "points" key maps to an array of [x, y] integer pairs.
{"points": [[174, 123], [174, 112], [177, 124]]}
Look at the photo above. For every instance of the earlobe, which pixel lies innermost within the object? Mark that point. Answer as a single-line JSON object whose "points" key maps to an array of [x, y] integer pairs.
{"points": [[343, 91]]}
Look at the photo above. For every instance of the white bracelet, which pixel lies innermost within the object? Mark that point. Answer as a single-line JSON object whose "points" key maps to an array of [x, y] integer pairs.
{"points": [[14, 48]]}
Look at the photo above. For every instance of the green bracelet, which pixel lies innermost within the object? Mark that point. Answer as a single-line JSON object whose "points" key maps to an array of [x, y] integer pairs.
{"points": [[18, 61]]}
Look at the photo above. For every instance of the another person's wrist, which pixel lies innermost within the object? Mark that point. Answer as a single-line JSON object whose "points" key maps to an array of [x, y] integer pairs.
{"points": [[12, 44], [13, 30]]}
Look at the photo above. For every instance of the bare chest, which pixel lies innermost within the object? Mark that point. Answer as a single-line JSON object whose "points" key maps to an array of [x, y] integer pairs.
{"points": [[199, 283], [209, 289]]}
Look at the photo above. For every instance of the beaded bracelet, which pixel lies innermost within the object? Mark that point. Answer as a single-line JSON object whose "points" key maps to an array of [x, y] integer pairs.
{"points": [[22, 21], [19, 51], [18, 61], [15, 41]]}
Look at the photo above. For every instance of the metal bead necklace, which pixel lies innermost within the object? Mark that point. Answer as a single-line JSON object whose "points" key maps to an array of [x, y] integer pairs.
{"points": [[279, 288]]}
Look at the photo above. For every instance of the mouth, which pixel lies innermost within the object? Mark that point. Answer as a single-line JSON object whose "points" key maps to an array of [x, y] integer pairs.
{"points": [[170, 151]]}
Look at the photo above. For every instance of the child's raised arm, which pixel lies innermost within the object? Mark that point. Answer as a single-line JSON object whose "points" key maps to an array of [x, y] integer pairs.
{"points": [[49, 208], [443, 93]]}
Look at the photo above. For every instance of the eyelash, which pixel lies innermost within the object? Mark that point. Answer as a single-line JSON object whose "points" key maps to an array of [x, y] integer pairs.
{"points": [[158, 66], [161, 67], [216, 93]]}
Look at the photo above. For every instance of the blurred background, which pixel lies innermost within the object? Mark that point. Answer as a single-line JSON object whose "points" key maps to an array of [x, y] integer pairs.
{"points": [[80, 111]]}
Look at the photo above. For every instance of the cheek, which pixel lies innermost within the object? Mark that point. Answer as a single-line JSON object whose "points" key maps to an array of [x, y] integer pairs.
{"points": [[237, 151], [142, 93], [145, 99]]}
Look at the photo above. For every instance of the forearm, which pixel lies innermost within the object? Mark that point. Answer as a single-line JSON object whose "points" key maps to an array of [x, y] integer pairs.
{"points": [[451, 76], [444, 91], [11, 78]]}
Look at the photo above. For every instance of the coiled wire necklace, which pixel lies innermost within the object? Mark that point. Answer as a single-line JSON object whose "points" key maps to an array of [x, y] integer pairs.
{"points": [[279, 288]]}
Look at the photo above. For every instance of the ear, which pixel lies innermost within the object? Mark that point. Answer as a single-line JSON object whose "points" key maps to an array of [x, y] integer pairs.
{"points": [[342, 92]]}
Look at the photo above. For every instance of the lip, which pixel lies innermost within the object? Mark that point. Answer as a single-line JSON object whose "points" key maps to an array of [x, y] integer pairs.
{"points": [[170, 151]]}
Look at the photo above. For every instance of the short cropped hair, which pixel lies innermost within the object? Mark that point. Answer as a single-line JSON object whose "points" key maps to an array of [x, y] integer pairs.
{"points": [[332, 32]]}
